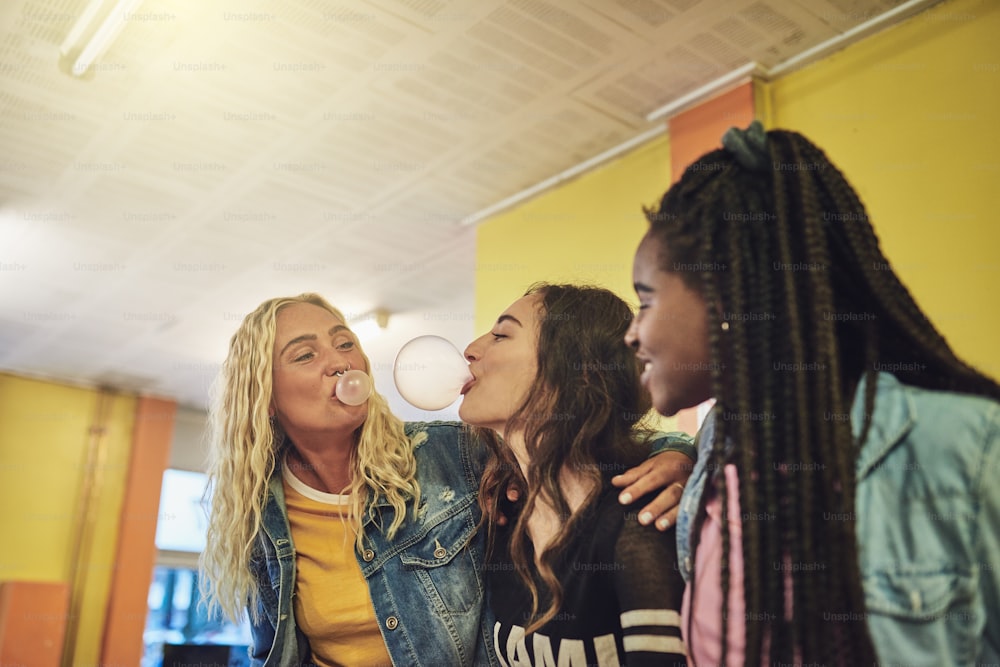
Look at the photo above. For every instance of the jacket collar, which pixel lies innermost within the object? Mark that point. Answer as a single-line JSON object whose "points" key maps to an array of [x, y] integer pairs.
{"points": [[274, 520], [895, 414], [275, 514]]}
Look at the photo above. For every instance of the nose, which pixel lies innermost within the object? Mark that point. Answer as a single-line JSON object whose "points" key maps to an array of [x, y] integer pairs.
{"points": [[336, 365], [632, 334], [472, 351]]}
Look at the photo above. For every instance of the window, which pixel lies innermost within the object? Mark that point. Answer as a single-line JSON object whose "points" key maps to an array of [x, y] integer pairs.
{"points": [[176, 613], [183, 522]]}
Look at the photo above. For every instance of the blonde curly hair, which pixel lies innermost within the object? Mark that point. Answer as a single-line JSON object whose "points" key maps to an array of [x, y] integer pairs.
{"points": [[245, 450]]}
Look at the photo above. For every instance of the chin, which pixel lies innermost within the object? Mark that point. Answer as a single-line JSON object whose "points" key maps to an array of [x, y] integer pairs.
{"points": [[662, 403], [665, 410], [464, 415], [668, 406]]}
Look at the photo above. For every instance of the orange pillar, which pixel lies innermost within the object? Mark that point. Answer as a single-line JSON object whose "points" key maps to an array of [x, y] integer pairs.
{"points": [[695, 132], [154, 427], [33, 617]]}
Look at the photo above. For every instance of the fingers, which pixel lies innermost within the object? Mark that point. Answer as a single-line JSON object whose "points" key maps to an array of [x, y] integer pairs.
{"points": [[512, 495], [647, 478], [654, 474], [664, 473], [631, 475], [664, 508]]}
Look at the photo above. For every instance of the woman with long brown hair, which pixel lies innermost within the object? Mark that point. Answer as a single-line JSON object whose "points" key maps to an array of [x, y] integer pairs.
{"points": [[573, 578]]}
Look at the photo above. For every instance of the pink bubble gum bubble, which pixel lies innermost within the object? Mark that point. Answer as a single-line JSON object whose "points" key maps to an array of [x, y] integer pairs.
{"points": [[354, 387], [430, 373]]}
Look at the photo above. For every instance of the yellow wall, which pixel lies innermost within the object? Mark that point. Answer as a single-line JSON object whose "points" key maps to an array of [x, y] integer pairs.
{"points": [[584, 231], [908, 114], [43, 443]]}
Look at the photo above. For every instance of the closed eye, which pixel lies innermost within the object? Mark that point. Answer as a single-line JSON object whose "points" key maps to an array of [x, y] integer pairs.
{"points": [[305, 356]]}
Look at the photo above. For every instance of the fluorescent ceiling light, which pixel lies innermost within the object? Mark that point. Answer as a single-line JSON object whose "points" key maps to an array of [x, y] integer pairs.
{"points": [[92, 34]]}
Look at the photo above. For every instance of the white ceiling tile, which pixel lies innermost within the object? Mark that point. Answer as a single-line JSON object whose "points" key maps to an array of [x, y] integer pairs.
{"points": [[228, 151]]}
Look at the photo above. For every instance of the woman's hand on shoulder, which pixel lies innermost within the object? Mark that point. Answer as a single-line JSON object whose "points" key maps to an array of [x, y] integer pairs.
{"points": [[667, 473]]}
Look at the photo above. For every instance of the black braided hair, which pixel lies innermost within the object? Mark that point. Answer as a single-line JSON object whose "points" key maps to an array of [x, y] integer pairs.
{"points": [[784, 254]]}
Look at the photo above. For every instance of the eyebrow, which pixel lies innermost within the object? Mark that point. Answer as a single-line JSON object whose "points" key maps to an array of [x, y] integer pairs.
{"points": [[511, 318], [304, 337]]}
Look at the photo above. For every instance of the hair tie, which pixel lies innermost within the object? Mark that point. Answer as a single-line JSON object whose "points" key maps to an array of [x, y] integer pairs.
{"points": [[748, 146]]}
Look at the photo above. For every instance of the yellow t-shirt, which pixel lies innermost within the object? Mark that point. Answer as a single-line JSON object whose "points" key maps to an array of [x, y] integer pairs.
{"points": [[332, 604]]}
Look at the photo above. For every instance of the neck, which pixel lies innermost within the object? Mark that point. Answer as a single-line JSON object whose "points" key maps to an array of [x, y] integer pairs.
{"points": [[323, 466], [544, 522], [515, 441]]}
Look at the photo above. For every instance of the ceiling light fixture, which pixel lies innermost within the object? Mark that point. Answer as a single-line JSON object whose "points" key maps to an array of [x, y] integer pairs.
{"points": [[369, 325], [92, 35]]}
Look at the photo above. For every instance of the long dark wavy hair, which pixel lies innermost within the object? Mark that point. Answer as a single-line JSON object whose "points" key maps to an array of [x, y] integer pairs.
{"points": [[801, 305], [584, 411]]}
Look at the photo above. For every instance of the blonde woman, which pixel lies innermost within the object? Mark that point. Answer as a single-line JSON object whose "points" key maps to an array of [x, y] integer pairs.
{"points": [[350, 537]]}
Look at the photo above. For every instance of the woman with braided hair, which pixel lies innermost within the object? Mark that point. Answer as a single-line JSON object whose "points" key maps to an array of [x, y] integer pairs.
{"points": [[850, 455]]}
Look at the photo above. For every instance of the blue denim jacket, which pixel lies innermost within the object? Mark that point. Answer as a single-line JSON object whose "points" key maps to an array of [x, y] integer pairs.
{"points": [[928, 524], [426, 584]]}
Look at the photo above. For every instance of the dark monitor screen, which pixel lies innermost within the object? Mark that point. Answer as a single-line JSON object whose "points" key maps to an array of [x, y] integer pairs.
{"points": [[195, 655]]}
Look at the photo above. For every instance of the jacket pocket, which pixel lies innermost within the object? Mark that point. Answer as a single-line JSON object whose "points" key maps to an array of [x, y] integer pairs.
{"points": [[917, 609], [445, 562], [914, 594]]}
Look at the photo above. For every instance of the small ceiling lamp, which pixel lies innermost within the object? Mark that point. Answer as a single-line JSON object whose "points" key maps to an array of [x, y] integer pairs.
{"points": [[369, 325]]}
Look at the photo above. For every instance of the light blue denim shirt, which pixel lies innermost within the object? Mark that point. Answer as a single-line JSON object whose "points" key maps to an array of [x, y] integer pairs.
{"points": [[928, 524], [426, 584]]}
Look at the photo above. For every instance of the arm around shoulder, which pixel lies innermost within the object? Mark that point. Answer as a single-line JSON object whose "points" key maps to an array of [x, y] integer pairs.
{"points": [[674, 441]]}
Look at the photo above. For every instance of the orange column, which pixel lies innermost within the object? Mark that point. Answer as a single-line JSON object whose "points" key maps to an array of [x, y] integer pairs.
{"points": [[154, 427], [695, 132], [33, 617]]}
